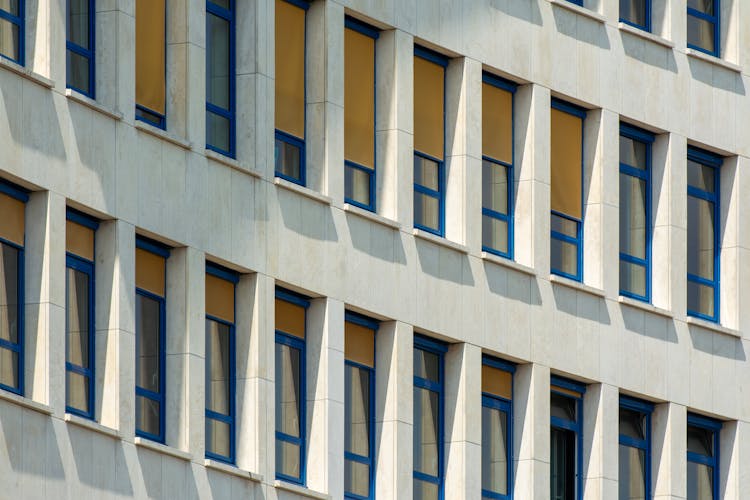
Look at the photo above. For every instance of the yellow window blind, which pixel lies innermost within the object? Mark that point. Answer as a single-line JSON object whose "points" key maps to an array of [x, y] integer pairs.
{"points": [[359, 98], [150, 272], [290, 318], [497, 123], [497, 382], [429, 94], [79, 240], [290, 69], [566, 163], [219, 298], [150, 55], [359, 344], [12, 222]]}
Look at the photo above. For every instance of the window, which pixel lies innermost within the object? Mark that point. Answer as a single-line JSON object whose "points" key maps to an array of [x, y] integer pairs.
{"points": [[703, 26], [566, 248], [497, 165], [359, 432], [12, 229], [12, 27], [291, 392], [429, 140], [577, 2], [428, 418], [220, 77], [79, 309], [497, 428], [702, 457], [702, 234], [80, 46], [635, 449], [566, 439], [150, 338], [220, 363], [290, 90], [151, 62], [359, 114], [635, 212], [636, 13]]}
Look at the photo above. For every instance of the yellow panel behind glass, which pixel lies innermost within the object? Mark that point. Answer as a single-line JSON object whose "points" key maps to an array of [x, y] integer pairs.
{"points": [[429, 95], [150, 272], [497, 382], [566, 163], [290, 69], [219, 298], [12, 220], [79, 240], [290, 318], [497, 123], [150, 54], [359, 98], [359, 345]]}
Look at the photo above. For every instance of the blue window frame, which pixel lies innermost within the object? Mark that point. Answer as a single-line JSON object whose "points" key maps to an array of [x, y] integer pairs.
{"points": [[635, 449], [497, 432], [636, 13], [429, 390], [566, 439], [80, 46], [150, 344], [703, 234], [635, 212], [702, 457], [704, 26], [80, 330], [12, 16], [291, 392], [577, 2], [220, 77], [359, 409], [12, 296]]}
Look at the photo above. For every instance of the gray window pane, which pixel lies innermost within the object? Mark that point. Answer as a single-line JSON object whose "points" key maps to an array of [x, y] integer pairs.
{"points": [[357, 414], [563, 406], [78, 318], [495, 233], [77, 395], [78, 72], [632, 477], [287, 157], [217, 437], [633, 223], [287, 459], [147, 321], [700, 298], [632, 424], [633, 11], [563, 225], [426, 431], [425, 491], [700, 238], [495, 187], [357, 478], [218, 394], [78, 22], [217, 64], [701, 176], [10, 6], [564, 256], [221, 3], [494, 450], [8, 293], [8, 368], [357, 184], [700, 441], [426, 173], [633, 278], [287, 390], [218, 131], [700, 482], [706, 6], [426, 211], [147, 415], [562, 464], [426, 365], [9, 46], [700, 33]]}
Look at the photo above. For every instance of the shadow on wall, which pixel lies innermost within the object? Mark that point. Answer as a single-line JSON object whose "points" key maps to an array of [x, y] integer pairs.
{"points": [[580, 304], [714, 76], [522, 9], [660, 328], [581, 28], [649, 53], [444, 263], [716, 344], [376, 240], [512, 284], [24, 436], [307, 217]]}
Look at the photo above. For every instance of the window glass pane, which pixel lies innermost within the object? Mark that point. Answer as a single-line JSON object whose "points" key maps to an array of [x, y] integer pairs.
{"points": [[632, 478], [633, 278], [495, 233], [78, 72], [633, 11], [426, 173], [700, 33], [9, 39], [706, 6], [563, 406], [217, 64], [426, 365], [700, 441], [700, 482], [357, 435], [357, 478], [147, 325], [632, 424], [78, 22], [287, 458], [632, 152], [700, 238], [77, 395], [562, 464], [633, 224], [218, 394], [8, 293], [701, 176], [10, 6], [565, 226], [426, 431], [147, 415], [564, 256], [426, 211], [357, 182], [218, 437], [78, 318], [8, 368], [494, 450], [287, 158], [218, 131], [287, 390], [221, 3], [700, 298], [495, 187], [425, 491]]}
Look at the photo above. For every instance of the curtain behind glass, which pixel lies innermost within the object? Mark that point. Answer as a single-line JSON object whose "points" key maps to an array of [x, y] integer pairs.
{"points": [[288, 409], [632, 476], [8, 314], [78, 338], [494, 450]]}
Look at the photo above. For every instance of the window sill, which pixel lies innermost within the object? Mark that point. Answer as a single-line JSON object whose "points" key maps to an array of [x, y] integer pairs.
{"points": [[162, 134], [25, 402], [510, 264], [162, 448], [645, 306], [702, 56], [575, 285], [304, 191], [92, 104], [231, 469], [300, 490], [371, 216], [92, 426], [714, 327], [579, 10], [632, 30], [26, 73], [438, 240], [231, 162]]}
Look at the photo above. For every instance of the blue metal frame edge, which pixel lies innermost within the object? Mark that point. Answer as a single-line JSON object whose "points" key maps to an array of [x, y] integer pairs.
{"points": [[361, 26], [222, 272], [84, 220], [431, 55], [152, 246], [566, 383]]}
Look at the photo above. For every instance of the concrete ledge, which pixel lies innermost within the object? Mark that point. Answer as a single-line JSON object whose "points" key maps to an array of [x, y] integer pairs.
{"points": [[233, 470], [304, 191], [92, 104], [371, 216], [433, 238], [26, 73], [231, 162], [162, 448], [702, 56], [25, 402], [162, 134], [92, 425], [579, 10], [576, 285], [645, 306], [300, 490], [632, 30], [713, 327], [510, 264]]}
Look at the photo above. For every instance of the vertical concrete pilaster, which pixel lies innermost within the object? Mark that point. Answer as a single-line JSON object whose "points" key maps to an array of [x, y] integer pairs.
{"points": [[531, 435], [669, 452], [600, 442]]}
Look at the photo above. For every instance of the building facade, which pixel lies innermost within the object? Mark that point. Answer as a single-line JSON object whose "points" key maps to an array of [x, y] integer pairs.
{"points": [[427, 249]]}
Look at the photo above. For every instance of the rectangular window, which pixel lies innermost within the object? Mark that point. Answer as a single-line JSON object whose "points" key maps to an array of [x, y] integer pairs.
{"points": [[703, 26], [150, 338], [702, 234], [635, 449], [429, 387], [702, 457], [566, 247], [12, 14], [566, 439], [359, 420], [151, 62], [220, 77], [429, 140], [636, 13], [291, 393], [220, 362], [12, 234], [497, 165], [80, 46], [359, 114], [635, 212], [497, 428], [290, 90], [79, 313]]}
